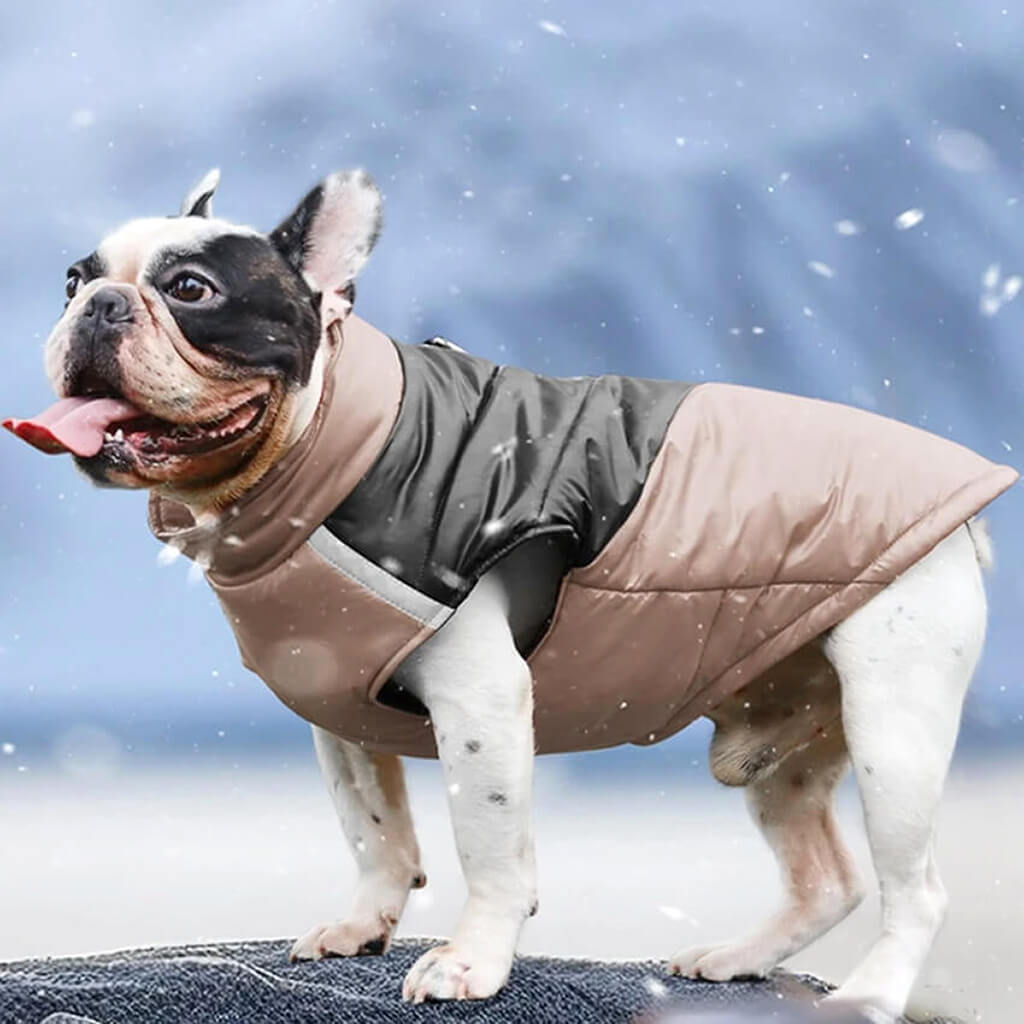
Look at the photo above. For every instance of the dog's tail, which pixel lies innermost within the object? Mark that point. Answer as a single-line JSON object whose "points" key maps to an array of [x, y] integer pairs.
{"points": [[983, 546]]}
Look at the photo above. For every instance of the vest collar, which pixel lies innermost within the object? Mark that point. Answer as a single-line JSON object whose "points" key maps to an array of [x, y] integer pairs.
{"points": [[362, 393]]}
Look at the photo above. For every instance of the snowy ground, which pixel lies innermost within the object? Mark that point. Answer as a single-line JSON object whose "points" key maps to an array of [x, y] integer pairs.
{"points": [[173, 854]]}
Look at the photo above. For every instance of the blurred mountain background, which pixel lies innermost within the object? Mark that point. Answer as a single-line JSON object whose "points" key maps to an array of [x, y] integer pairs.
{"points": [[824, 199]]}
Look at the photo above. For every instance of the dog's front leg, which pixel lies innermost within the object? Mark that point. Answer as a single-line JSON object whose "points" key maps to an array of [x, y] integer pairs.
{"points": [[368, 791], [479, 693]]}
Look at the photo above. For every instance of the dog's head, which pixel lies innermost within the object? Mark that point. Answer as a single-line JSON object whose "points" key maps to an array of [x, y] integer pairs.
{"points": [[190, 350]]}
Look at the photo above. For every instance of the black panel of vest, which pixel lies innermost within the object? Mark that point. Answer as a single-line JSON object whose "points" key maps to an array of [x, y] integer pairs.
{"points": [[483, 456]]}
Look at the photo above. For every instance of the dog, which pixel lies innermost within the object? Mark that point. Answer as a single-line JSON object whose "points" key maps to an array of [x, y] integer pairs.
{"points": [[426, 554]]}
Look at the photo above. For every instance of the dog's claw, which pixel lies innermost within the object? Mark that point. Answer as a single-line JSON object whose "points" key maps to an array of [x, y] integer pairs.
{"points": [[343, 938], [719, 963]]}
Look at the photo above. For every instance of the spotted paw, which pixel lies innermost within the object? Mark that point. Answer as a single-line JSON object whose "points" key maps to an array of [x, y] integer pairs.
{"points": [[719, 963], [447, 972], [367, 937]]}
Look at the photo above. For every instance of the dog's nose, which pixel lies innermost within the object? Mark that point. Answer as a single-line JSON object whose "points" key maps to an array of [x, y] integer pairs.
{"points": [[109, 304]]}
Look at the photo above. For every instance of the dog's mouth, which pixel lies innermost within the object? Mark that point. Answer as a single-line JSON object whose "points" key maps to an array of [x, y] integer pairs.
{"points": [[111, 427], [152, 439]]}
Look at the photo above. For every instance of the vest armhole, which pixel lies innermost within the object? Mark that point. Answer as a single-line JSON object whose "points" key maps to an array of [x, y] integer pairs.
{"points": [[379, 582]]}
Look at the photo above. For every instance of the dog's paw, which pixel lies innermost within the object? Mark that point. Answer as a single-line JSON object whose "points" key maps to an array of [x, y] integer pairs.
{"points": [[367, 937], [720, 963], [447, 972]]}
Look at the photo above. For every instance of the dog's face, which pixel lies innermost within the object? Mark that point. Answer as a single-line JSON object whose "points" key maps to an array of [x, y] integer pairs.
{"points": [[188, 344]]}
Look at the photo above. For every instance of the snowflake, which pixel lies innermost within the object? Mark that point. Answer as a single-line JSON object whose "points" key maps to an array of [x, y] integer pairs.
{"points": [[655, 988], [908, 219], [551, 27], [995, 291], [168, 554]]}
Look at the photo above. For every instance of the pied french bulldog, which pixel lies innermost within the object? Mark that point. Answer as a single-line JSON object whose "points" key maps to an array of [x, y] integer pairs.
{"points": [[424, 553]]}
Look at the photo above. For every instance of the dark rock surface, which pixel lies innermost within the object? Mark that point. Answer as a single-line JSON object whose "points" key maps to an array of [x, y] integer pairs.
{"points": [[253, 982]]}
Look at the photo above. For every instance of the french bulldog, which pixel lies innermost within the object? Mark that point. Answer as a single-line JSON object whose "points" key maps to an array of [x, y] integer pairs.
{"points": [[424, 553]]}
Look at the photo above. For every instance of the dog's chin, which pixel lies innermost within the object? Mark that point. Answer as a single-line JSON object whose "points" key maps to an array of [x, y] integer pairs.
{"points": [[149, 452]]}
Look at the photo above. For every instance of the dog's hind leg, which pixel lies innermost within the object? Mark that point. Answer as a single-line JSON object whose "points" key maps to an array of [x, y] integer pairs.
{"points": [[793, 808], [368, 791], [904, 661]]}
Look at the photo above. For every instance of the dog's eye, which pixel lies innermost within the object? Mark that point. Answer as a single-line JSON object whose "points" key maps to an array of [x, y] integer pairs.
{"points": [[189, 288], [72, 284]]}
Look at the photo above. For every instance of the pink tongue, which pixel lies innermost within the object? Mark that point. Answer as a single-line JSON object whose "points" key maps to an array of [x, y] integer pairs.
{"points": [[73, 424]]}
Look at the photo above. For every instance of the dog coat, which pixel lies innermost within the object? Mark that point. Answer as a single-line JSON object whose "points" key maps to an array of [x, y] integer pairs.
{"points": [[709, 532]]}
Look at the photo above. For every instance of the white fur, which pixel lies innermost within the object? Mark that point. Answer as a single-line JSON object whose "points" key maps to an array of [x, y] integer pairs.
{"points": [[128, 251], [379, 829], [904, 661], [199, 200], [978, 530], [341, 236], [307, 399], [793, 807], [479, 693]]}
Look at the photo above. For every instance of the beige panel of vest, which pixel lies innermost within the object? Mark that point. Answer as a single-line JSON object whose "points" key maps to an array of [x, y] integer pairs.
{"points": [[766, 519]]}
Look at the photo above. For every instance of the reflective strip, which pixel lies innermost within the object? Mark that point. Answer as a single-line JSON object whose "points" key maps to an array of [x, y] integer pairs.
{"points": [[378, 581]]}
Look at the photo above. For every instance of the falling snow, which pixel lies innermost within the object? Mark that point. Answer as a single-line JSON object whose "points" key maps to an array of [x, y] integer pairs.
{"points": [[493, 527], [963, 151], [847, 227], [505, 450], [822, 269], [197, 569], [996, 291], [656, 988], [908, 219], [168, 554], [551, 27], [82, 118]]}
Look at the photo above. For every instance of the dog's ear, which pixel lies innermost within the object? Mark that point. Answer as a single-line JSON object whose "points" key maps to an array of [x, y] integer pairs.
{"points": [[199, 201], [329, 237]]}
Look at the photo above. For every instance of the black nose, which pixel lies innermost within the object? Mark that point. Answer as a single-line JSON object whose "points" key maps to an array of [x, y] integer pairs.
{"points": [[109, 304]]}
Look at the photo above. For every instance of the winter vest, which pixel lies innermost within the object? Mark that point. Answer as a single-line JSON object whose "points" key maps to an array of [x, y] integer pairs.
{"points": [[709, 532]]}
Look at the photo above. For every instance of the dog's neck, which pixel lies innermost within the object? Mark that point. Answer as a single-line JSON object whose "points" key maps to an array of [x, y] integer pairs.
{"points": [[362, 387], [208, 505], [307, 400]]}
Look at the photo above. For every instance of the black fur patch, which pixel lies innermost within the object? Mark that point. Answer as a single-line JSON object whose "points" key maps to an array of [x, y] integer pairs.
{"points": [[265, 317], [497, 798], [89, 267], [291, 236]]}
